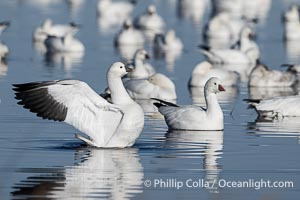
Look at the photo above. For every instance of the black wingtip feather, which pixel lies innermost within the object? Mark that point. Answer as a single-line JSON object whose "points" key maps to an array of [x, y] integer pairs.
{"points": [[34, 96], [252, 100], [165, 103], [204, 47]]}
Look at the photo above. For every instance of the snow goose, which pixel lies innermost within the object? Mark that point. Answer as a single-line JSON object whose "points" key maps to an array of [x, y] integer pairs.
{"points": [[204, 70], [245, 42], [156, 86], [129, 35], [142, 69], [63, 44], [292, 23], [276, 107], [168, 42], [192, 9], [116, 124], [193, 117], [59, 30], [224, 26], [117, 12], [262, 76], [3, 26], [150, 20], [230, 56]]}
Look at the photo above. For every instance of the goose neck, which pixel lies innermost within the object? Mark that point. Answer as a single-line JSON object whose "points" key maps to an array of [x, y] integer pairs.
{"points": [[212, 104], [119, 94]]}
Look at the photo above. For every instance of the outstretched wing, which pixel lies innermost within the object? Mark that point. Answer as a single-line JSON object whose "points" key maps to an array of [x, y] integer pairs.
{"points": [[73, 102]]}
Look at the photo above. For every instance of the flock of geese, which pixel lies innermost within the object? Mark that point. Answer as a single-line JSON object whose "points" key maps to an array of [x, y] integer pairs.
{"points": [[114, 118]]}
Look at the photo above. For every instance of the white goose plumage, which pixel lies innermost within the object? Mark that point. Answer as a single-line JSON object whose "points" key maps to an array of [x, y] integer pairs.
{"points": [[128, 35], [142, 69], [59, 30], [194, 117], [66, 43], [277, 107], [116, 124], [156, 86], [204, 70], [150, 20], [262, 76]]}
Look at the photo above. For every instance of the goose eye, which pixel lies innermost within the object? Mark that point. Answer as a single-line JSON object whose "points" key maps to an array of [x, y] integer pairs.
{"points": [[121, 67], [215, 83]]}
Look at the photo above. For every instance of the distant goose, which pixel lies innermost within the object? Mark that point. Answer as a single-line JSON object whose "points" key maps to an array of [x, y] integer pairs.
{"points": [[245, 42], [204, 70], [262, 76], [63, 44], [224, 26], [3, 26], [150, 20], [194, 117], [156, 86], [59, 30], [118, 11], [167, 43], [277, 107], [292, 23], [129, 35], [230, 56], [116, 124], [142, 69]]}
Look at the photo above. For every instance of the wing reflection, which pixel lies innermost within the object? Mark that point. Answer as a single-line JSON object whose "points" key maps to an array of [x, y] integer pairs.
{"points": [[108, 173]]}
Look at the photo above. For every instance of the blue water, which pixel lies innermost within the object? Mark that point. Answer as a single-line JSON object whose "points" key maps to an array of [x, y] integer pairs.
{"points": [[42, 158]]}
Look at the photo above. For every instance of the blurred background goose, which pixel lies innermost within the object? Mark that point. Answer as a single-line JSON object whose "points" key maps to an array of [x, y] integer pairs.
{"points": [[64, 44]]}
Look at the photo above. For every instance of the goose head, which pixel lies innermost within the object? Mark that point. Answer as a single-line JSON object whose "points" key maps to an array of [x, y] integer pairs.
{"points": [[247, 32], [202, 68], [151, 9], [47, 24], [162, 81], [170, 36], [141, 54], [213, 85], [118, 69], [127, 24]]}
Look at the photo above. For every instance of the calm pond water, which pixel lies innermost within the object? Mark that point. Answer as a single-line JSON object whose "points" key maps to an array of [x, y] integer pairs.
{"points": [[42, 159]]}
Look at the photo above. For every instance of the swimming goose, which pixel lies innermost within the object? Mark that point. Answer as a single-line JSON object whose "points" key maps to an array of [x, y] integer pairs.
{"points": [[59, 30], [230, 56], [276, 107], [156, 86], [192, 117], [116, 12], [167, 43], [142, 69], [63, 44], [262, 76], [292, 23], [129, 35], [245, 41], [224, 26], [204, 70], [150, 20], [116, 124]]}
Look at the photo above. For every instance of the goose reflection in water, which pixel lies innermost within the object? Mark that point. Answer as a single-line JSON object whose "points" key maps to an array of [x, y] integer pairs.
{"points": [[286, 127], [208, 144], [106, 173]]}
